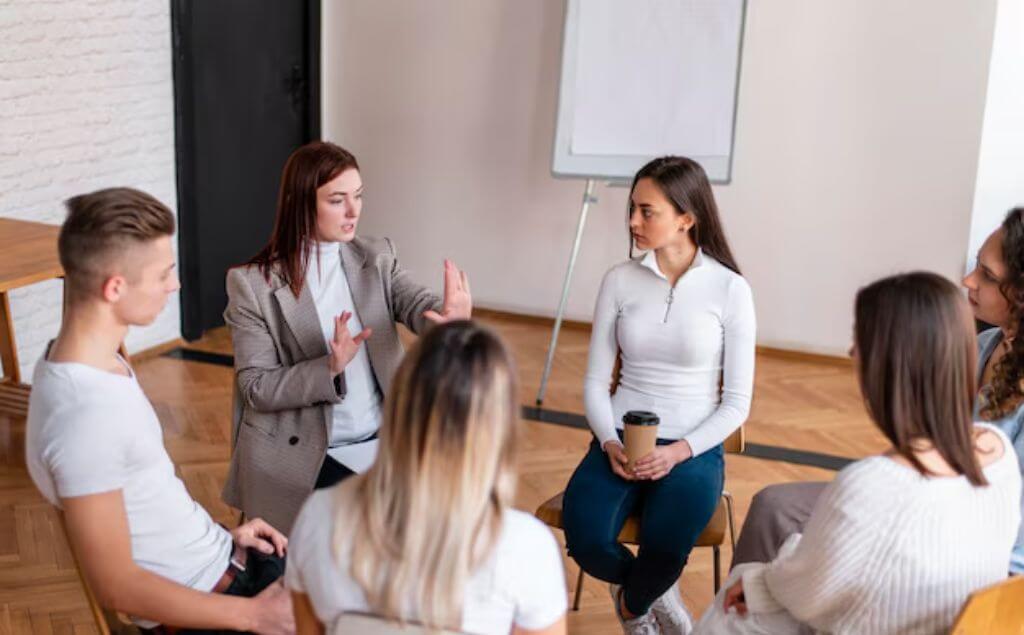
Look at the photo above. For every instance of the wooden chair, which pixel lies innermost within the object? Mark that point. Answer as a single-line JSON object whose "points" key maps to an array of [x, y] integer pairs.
{"points": [[108, 622], [995, 610], [366, 624], [550, 512]]}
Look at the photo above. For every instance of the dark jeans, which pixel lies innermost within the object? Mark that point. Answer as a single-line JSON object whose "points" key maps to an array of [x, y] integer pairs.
{"points": [[331, 473], [673, 512], [260, 571]]}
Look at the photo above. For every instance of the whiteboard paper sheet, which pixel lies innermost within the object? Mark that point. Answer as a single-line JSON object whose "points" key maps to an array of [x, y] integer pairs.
{"points": [[656, 77]]}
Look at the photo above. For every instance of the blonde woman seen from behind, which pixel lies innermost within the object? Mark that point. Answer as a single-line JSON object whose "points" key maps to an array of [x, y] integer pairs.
{"points": [[427, 535]]}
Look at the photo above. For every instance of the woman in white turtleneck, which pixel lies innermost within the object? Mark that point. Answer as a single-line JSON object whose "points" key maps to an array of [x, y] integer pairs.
{"points": [[312, 320], [681, 320]]}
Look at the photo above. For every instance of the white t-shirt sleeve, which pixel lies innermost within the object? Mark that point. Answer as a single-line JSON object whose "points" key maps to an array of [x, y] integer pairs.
{"points": [[540, 586], [91, 455]]}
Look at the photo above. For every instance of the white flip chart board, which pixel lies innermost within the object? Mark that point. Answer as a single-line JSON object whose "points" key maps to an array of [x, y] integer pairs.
{"points": [[646, 78]]}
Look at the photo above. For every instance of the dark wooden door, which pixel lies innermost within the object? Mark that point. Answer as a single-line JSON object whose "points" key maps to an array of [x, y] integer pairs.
{"points": [[247, 93]]}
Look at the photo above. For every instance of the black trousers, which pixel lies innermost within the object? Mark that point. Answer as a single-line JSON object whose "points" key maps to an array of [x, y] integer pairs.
{"points": [[261, 570], [331, 473]]}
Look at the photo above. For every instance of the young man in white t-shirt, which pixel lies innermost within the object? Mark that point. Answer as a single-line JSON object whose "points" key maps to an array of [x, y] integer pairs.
{"points": [[94, 446]]}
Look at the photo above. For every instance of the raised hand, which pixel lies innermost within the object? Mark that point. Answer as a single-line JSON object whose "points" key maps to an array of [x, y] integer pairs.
{"points": [[458, 303], [343, 346]]}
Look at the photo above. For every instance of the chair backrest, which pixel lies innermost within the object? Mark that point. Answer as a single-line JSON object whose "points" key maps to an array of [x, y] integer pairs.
{"points": [[735, 442], [366, 624], [99, 614], [108, 622], [995, 609]]}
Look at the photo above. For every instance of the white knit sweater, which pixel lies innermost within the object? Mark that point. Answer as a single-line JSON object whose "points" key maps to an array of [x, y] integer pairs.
{"points": [[885, 551]]}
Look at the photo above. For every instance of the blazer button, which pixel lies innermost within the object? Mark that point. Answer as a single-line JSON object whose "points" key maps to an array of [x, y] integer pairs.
{"points": [[293, 440]]}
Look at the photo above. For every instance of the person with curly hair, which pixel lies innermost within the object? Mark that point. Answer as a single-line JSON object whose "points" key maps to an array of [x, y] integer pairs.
{"points": [[995, 291]]}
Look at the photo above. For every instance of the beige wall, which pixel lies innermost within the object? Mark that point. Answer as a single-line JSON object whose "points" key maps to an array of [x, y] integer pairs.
{"points": [[857, 139], [1000, 182]]}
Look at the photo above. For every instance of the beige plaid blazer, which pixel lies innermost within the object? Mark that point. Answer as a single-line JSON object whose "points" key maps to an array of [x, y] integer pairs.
{"points": [[284, 390]]}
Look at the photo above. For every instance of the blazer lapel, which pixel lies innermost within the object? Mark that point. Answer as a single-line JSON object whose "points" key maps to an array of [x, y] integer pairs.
{"points": [[368, 297], [302, 320]]}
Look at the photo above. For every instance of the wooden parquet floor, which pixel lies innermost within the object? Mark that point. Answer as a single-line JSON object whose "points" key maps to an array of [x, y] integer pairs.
{"points": [[798, 403]]}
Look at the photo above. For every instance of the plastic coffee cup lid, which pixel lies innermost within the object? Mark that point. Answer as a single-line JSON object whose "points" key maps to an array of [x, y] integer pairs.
{"points": [[640, 418]]}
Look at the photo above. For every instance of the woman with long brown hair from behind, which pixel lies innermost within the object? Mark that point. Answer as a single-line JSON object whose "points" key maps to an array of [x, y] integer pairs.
{"points": [[898, 541], [427, 534], [995, 292], [313, 324]]}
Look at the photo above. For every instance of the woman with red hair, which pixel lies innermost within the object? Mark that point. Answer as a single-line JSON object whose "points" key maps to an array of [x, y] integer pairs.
{"points": [[312, 320]]}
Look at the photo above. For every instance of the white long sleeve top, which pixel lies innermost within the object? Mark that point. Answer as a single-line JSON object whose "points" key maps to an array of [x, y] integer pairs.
{"points": [[687, 351], [888, 550]]}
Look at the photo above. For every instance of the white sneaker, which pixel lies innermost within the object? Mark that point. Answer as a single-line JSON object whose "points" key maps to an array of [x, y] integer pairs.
{"points": [[671, 613], [644, 624]]}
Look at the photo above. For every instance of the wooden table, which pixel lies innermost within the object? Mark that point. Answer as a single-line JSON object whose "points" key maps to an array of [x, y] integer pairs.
{"points": [[28, 254]]}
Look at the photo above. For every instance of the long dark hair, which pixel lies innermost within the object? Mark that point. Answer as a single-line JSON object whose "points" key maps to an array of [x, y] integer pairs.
{"points": [[685, 184], [1005, 393], [289, 249], [917, 356]]}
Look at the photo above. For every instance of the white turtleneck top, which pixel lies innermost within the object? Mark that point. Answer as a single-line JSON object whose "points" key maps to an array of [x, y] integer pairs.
{"points": [[358, 415]]}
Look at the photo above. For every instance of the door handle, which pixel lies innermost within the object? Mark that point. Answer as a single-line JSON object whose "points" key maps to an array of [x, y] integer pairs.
{"points": [[295, 84]]}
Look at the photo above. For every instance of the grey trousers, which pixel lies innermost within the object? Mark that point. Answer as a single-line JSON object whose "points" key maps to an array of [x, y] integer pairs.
{"points": [[775, 512]]}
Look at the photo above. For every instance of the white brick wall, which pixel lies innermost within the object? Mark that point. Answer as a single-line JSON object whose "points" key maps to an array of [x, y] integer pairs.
{"points": [[86, 101]]}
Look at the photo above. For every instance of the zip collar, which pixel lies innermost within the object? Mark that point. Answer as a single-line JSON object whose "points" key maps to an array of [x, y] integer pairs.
{"points": [[651, 262]]}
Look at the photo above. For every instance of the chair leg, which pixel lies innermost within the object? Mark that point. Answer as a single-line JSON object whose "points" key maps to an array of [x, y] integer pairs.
{"points": [[732, 521], [718, 566], [579, 591]]}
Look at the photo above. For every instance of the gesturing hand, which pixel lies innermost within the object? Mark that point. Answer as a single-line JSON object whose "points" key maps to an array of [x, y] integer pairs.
{"points": [[343, 346], [458, 303], [259, 535]]}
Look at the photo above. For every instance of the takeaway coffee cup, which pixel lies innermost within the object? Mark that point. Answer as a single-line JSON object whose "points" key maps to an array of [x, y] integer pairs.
{"points": [[641, 434]]}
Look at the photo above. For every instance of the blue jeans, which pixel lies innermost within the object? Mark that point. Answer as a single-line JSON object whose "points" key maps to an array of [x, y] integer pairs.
{"points": [[673, 512]]}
